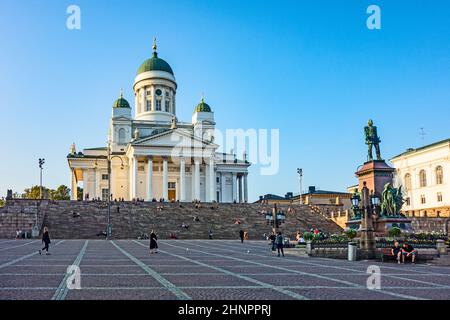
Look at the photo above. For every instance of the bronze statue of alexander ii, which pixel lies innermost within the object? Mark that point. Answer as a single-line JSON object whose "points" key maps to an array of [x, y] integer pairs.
{"points": [[372, 140]]}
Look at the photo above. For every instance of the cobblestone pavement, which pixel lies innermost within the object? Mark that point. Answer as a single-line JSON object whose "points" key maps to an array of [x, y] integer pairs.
{"points": [[201, 269]]}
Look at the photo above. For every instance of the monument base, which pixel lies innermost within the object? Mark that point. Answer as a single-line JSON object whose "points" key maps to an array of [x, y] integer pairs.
{"points": [[382, 225]]}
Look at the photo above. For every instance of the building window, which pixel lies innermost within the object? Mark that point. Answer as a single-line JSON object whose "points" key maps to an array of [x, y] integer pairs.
{"points": [[423, 178], [167, 94], [439, 197], [407, 181], [104, 176], [121, 136], [408, 201], [171, 185], [105, 194], [423, 200], [439, 175], [217, 179], [149, 105], [158, 105], [167, 103]]}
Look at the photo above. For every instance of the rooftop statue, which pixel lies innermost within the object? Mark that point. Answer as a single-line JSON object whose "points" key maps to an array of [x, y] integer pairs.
{"points": [[372, 140]]}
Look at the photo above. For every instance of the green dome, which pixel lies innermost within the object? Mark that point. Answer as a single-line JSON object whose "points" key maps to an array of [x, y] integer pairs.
{"points": [[155, 64], [121, 103], [202, 107]]}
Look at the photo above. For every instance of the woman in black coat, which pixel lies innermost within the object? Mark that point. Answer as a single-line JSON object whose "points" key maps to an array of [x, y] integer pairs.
{"points": [[45, 240], [153, 243]]}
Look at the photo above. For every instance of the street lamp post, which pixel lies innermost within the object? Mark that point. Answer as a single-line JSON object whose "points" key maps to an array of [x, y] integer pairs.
{"points": [[300, 176], [275, 218], [41, 167], [108, 159]]}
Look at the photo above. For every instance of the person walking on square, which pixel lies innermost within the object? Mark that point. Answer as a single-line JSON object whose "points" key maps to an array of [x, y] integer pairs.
{"points": [[153, 242], [279, 241], [241, 236], [46, 241]]}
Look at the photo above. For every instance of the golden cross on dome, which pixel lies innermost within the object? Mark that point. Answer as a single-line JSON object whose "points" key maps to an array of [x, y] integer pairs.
{"points": [[154, 44]]}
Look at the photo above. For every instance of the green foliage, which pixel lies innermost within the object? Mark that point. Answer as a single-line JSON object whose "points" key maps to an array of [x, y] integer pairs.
{"points": [[308, 236], [61, 193], [395, 232], [2, 203], [351, 233]]}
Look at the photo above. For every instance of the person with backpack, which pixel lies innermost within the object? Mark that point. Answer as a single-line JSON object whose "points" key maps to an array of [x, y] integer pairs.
{"points": [[272, 239]]}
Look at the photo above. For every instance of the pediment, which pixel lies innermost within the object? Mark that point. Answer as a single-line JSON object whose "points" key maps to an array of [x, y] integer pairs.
{"points": [[173, 138]]}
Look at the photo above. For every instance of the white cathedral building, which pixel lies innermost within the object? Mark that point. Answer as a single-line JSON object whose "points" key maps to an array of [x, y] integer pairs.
{"points": [[155, 156]]}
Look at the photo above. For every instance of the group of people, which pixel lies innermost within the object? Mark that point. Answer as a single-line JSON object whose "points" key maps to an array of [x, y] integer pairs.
{"points": [[401, 253]]}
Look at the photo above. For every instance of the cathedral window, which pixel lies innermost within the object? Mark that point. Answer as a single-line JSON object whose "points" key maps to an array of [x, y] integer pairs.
{"points": [[158, 105], [439, 197], [122, 136], [167, 104], [149, 105]]}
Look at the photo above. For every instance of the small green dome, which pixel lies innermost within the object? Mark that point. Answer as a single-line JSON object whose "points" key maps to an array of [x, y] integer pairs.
{"points": [[202, 107], [121, 103], [155, 64]]}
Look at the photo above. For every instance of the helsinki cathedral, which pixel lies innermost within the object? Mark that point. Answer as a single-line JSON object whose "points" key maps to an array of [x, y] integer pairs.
{"points": [[153, 155]]}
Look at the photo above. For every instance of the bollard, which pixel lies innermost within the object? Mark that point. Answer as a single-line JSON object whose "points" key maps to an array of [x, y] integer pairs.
{"points": [[441, 247]]}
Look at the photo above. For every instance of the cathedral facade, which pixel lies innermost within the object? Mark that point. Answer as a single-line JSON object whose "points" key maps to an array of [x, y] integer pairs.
{"points": [[153, 155]]}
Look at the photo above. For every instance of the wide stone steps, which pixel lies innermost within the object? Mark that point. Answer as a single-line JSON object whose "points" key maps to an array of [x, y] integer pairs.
{"points": [[133, 219]]}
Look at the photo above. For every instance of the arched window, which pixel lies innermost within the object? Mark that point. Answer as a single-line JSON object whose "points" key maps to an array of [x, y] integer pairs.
{"points": [[439, 175], [407, 181], [122, 136], [423, 178]]}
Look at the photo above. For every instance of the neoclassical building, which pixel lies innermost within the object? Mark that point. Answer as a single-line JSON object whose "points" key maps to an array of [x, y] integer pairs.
{"points": [[153, 155], [424, 174]]}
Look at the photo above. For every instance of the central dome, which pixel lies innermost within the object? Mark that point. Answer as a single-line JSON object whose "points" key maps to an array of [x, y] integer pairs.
{"points": [[155, 64]]}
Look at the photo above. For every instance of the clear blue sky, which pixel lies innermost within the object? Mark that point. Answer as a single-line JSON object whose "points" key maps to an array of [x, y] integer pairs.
{"points": [[310, 68]]}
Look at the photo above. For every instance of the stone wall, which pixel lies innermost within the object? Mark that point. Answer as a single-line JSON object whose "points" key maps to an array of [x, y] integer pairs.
{"points": [[20, 214]]}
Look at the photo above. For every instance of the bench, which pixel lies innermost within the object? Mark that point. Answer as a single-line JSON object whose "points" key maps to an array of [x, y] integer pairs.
{"points": [[423, 254]]}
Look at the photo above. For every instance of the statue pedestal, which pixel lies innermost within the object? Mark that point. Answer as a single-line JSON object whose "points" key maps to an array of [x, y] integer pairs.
{"points": [[375, 174]]}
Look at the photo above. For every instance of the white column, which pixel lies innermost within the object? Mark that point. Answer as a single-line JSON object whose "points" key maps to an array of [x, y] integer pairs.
{"points": [[94, 189], [197, 180], [240, 188], [136, 102], [212, 180], [182, 191], [73, 190], [165, 179], [153, 98], [98, 178], [142, 96], [245, 188], [234, 184], [223, 186], [135, 177], [149, 178]]}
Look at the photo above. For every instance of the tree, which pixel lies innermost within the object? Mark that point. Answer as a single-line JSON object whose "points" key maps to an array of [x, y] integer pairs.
{"points": [[35, 192], [2, 202], [61, 193]]}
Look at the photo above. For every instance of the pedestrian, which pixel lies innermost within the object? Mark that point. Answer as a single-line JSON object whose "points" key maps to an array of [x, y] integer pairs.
{"points": [[272, 239], [46, 241], [210, 234], [153, 242], [241, 236], [17, 234], [279, 241]]}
